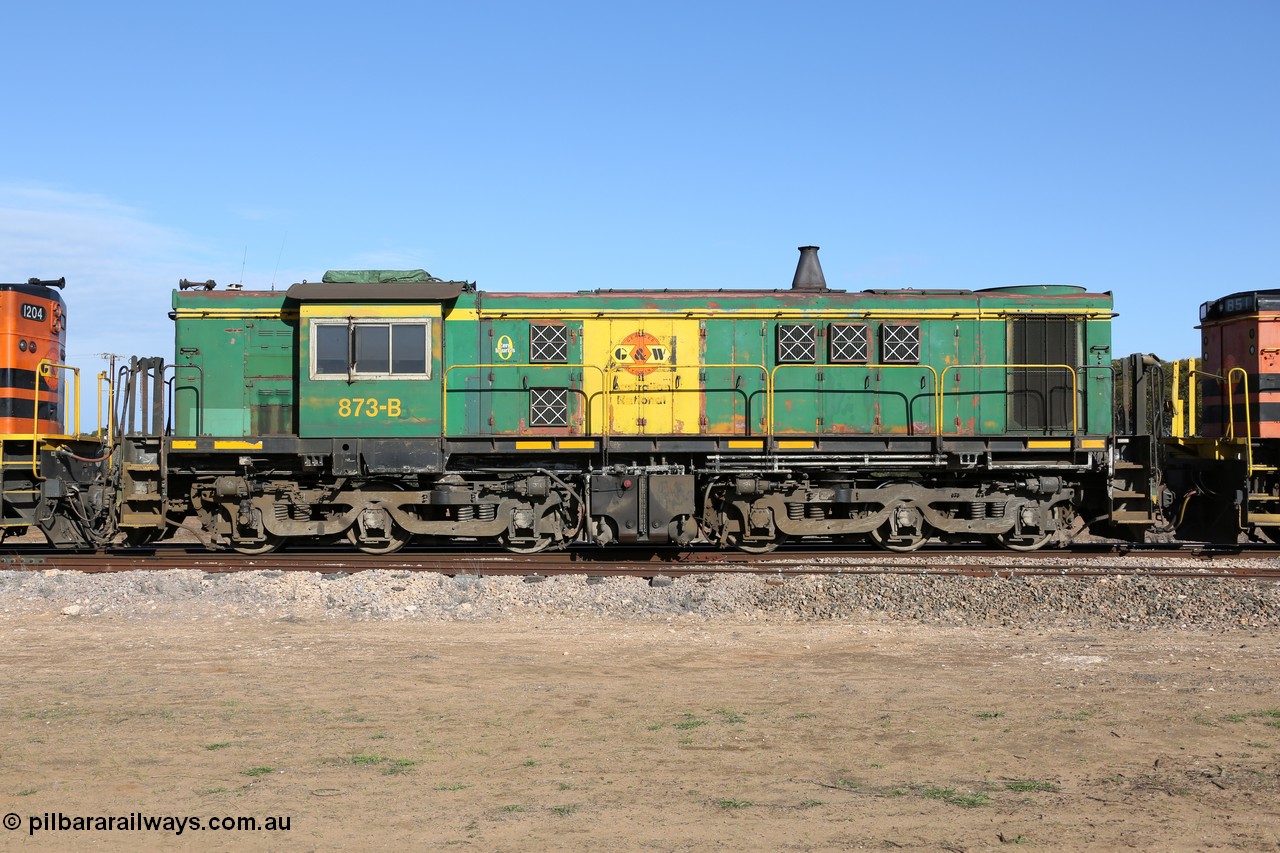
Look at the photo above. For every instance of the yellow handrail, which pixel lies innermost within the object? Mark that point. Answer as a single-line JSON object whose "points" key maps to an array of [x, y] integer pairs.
{"points": [[772, 387], [444, 388], [46, 368], [606, 389], [1075, 394], [1231, 415]]}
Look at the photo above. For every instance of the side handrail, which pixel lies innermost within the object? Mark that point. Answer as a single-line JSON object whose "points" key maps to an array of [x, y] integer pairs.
{"points": [[1231, 414], [772, 387], [444, 388], [607, 391], [1071, 371], [47, 368]]}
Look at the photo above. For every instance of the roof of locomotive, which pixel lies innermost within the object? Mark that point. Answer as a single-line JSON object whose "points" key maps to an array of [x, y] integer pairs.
{"points": [[1243, 303], [464, 295]]}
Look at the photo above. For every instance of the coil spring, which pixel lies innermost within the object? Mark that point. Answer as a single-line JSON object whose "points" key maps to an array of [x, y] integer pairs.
{"points": [[815, 511], [795, 512], [281, 511], [487, 512], [997, 510], [977, 509], [465, 512]]}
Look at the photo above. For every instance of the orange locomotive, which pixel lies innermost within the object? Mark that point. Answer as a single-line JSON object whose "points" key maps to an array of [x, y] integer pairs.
{"points": [[33, 331]]}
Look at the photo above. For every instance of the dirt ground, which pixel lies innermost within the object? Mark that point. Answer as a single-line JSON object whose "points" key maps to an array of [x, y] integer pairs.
{"points": [[525, 735]]}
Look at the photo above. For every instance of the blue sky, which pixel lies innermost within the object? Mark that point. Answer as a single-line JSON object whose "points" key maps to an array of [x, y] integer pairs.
{"points": [[1129, 147]]}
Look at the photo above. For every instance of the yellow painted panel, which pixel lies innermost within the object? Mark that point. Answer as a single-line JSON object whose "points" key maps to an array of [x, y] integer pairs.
{"points": [[1093, 443], [650, 369], [184, 444], [237, 445], [1046, 444], [577, 445], [797, 445], [533, 445], [746, 445]]}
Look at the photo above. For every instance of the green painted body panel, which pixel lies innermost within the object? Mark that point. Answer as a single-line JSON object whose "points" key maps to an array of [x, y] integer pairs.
{"points": [[958, 329], [235, 357], [339, 407], [244, 365]]}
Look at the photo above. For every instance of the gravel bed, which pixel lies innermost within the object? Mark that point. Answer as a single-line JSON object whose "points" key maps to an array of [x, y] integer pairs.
{"points": [[1118, 602]]}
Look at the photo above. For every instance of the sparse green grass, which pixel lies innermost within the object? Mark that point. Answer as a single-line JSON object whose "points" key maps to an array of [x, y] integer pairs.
{"points": [[454, 787], [512, 809], [951, 796], [685, 740], [378, 736], [653, 727], [846, 784], [877, 765], [989, 715], [1269, 717], [257, 771], [810, 804], [366, 760], [1022, 785], [690, 721], [213, 791], [398, 766], [565, 786], [25, 792], [731, 717], [212, 746], [1076, 716], [734, 804], [803, 715], [564, 811]]}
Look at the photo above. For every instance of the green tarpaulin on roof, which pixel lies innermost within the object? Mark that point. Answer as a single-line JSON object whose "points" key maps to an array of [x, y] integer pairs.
{"points": [[377, 276]]}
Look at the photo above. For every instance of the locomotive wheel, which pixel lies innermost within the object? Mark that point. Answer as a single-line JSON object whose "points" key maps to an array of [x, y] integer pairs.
{"points": [[394, 541], [252, 549], [525, 546], [1014, 542], [758, 546], [392, 538], [884, 537]]}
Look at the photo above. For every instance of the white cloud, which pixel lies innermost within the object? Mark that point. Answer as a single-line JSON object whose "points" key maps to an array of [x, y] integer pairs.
{"points": [[119, 267]]}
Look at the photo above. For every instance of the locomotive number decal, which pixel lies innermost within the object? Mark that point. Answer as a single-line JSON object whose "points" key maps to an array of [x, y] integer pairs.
{"points": [[368, 407], [640, 353], [33, 312]]}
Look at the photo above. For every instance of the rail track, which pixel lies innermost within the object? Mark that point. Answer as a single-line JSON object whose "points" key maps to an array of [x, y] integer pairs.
{"points": [[1083, 562]]}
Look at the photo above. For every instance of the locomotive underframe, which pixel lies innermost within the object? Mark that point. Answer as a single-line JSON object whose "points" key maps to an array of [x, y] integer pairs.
{"points": [[255, 494]]}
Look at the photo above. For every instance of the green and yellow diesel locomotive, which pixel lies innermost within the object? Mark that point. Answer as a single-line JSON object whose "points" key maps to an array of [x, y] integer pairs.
{"points": [[383, 407]]}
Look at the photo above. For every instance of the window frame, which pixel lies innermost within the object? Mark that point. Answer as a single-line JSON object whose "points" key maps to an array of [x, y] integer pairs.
{"points": [[866, 343], [778, 343], [563, 344], [353, 323], [887, 340], [563, 404]]}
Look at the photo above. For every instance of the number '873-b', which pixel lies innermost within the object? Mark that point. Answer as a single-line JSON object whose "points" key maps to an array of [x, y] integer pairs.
{"points": [[368, 407]]}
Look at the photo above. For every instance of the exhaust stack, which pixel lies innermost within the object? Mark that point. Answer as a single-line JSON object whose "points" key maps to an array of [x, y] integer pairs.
{"points": [[808, 271]]}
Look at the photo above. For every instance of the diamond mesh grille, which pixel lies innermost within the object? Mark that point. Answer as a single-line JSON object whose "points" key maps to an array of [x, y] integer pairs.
{"points": [[548, 344], [848, 343], [900, 344], [796, 343], [548, 407]]}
